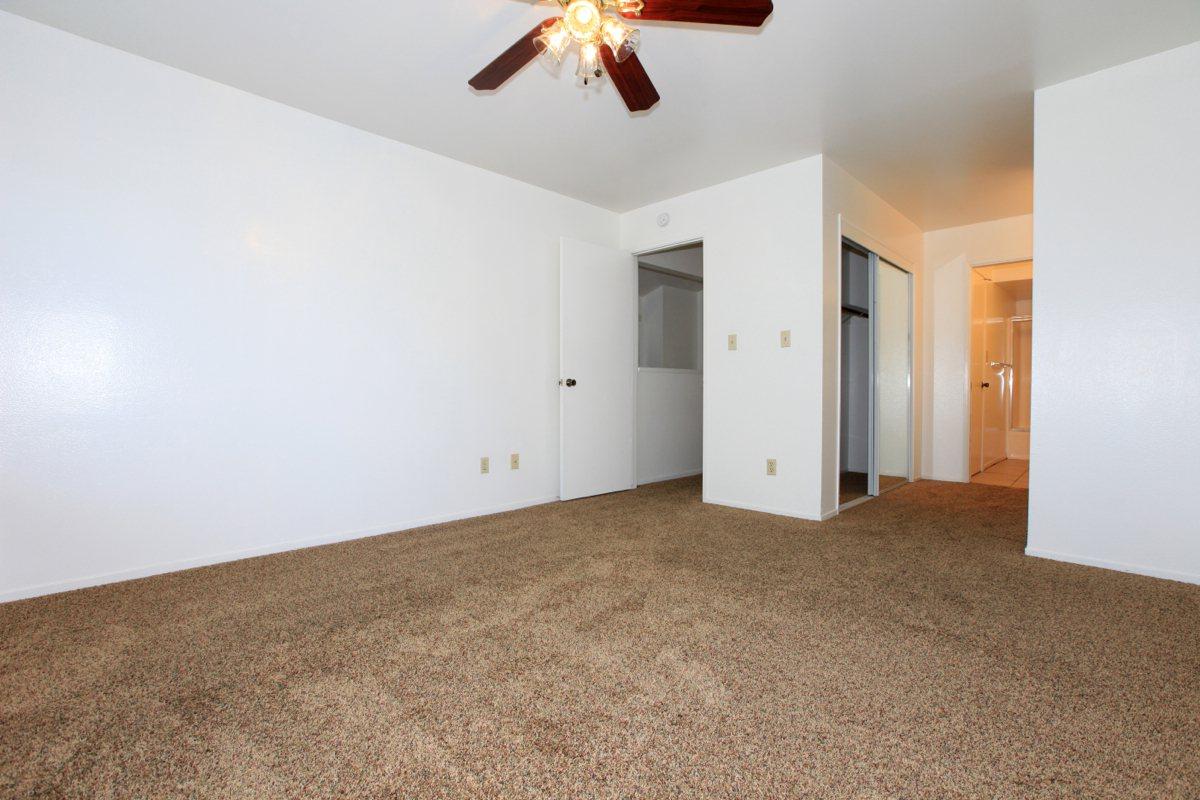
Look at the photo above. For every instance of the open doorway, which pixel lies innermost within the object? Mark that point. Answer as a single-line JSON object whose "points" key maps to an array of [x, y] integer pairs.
{"points": [[1000, 368], [670, 368], [876, 426]]}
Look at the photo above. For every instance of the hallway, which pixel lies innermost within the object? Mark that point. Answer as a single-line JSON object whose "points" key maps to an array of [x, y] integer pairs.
{"points": [[1011, 472]]}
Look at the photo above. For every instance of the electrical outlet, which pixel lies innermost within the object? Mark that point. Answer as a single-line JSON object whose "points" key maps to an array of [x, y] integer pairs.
{"points": [[785, 338], [771, 467], [485, 465], [733, 341], [514, 461]]}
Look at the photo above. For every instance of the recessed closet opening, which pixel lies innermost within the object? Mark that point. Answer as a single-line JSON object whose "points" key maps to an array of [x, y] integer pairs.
{"points": [[670, 369], [875, 431]]}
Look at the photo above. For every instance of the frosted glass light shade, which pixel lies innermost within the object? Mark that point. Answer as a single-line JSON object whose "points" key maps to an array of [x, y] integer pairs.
{"points": [[589, 62], [620, 38], [552, 43]]}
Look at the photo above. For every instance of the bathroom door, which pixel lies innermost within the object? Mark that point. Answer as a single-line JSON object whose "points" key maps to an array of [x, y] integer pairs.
{"points": [[978, 364]]}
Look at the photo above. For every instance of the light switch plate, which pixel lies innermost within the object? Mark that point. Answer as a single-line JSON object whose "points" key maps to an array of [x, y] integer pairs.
{"points": [[733, 341], [772, 468], [485, 465], [514, 461], [785, 338]]}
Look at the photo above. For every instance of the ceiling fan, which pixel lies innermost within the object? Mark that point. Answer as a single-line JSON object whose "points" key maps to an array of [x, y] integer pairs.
{"points": [[608, 45]]}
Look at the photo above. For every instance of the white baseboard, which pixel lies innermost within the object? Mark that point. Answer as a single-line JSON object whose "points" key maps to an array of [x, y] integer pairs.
{"points": [[779, 512], [1136, 569], [146, 571], [946, 478], [673, 476]]}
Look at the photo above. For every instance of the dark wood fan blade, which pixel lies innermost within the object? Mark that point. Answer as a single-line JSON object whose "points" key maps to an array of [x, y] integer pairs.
{"points": [[750, 13], [511, 60], [631, 80]]}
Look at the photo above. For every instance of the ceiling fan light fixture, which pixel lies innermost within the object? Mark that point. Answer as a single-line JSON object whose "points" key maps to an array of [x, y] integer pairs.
{"points": [[620, 38], [589, 62], [598, 24], [583, 20], [553, 42]]}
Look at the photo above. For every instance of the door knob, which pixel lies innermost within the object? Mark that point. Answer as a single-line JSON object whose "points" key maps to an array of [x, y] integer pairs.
{"points": [[985, 384], [568, 382]]}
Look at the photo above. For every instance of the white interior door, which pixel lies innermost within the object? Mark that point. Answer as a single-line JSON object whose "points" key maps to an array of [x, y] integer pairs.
{"points": [[978, 363], [598, 302]]}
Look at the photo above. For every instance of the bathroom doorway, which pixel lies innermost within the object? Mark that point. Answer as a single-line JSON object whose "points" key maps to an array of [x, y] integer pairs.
{"points": [[1000, 368]]}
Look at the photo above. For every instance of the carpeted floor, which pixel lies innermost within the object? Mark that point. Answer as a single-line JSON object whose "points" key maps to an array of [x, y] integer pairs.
{"points": [[638, 645]]}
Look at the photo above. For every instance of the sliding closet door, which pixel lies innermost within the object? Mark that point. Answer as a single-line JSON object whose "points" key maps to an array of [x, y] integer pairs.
{"points": [[892, 315]]}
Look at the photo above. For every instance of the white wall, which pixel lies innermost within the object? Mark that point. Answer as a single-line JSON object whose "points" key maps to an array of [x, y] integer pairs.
{"points": [[949, 255], [772, 263], [670, 322], [231, 327], [762, 275], [650, 327], [851, 209], [669, 382], [669, 423], [683, 328], [1116, 353], [1018, 444]]}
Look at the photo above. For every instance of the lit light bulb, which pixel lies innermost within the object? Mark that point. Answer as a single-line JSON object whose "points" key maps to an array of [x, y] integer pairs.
{"points": [[583, 20], [552, 43], [620, 38], [633, 7], [589, 62]]}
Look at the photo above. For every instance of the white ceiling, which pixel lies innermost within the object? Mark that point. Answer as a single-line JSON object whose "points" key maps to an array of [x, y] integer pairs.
{"points": [[927, 101]]}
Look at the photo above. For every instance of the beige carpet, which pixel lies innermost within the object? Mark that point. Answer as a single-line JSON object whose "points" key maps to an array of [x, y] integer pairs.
{"points": [[639, 645]]}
